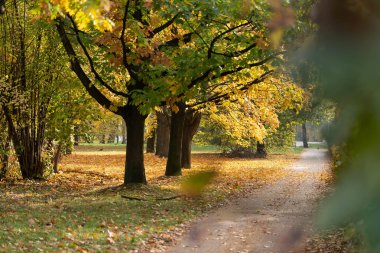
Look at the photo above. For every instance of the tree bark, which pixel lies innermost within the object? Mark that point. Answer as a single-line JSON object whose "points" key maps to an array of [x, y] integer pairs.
{"points": [[134, 166], [261, 151], [173, 165], [150, 143], [191, 124], [304, 136], [163, 133]]}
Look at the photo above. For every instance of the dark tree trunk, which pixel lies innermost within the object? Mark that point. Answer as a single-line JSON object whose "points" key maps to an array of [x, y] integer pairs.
{"points": [[76, 136], [163, 133], [261, 151], [28, 148], [304, 136], [134, 166], [173, 165], [192, 121], [150, 143]]}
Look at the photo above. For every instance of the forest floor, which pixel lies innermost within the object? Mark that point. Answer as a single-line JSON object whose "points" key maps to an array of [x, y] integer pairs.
{"points": [[81, 209]]}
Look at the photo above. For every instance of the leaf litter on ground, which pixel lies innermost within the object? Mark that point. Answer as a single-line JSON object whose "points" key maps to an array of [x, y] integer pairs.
{"points": [[81, 208]]}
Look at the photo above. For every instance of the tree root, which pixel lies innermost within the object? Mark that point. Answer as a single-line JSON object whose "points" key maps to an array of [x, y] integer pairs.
{"points": [[157, 199]]}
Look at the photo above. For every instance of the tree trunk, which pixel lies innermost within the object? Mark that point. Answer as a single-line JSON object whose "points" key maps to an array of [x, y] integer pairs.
{"points": [[103, 139], [57, 157], [173, 165], [192, 121], [76, 136], [304, 136], [261, 151], [111, 138], [123, 133], [163, 133], [4, 158], [134, 166], [150, 143]]}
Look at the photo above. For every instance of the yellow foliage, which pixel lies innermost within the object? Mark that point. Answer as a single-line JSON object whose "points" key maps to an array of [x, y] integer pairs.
{"points": [[85, 12]]}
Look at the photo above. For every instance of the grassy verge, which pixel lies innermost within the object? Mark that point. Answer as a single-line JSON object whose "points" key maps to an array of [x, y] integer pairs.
{"points": [[98, 149], [81, 209]]}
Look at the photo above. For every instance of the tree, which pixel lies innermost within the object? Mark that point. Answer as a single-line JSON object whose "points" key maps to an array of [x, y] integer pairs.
{"points": [[28, 90], [150, 133], [4, 146], [165, 35], [191, 124], [163, 132], [239, 126]]}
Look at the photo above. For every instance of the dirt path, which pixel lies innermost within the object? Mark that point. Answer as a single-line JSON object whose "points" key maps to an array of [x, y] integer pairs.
{"points": [[275, 218]]}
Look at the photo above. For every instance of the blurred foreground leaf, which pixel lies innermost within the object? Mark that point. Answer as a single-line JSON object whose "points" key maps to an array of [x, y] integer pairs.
{"points": [[195, 184]]}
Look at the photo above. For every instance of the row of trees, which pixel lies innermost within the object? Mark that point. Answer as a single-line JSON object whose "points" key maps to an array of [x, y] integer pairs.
{"points": [[176, 58]]}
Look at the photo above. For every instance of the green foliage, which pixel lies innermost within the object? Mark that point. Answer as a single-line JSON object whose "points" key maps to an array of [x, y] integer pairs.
{"points": [[347, 55], [40, 99], [284, 136]]}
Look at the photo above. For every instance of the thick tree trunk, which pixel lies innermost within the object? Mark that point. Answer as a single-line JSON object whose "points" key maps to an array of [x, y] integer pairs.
{"points": [[304, 136], [134, 166], [192, 121], [261, 151], [150, 143], [173, 165], [163, 133]]}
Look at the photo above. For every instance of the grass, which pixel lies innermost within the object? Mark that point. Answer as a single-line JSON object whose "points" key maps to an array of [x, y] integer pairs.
{"points": [[81, 209], [90, 148]]}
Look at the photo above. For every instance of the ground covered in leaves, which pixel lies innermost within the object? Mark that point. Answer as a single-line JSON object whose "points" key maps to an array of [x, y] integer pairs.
{"points": [[81, 208]]}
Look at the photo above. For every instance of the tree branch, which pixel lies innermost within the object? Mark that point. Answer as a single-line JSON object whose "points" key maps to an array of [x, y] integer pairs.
{"points": [[175, 42], [219, 97], [236, 53], [212, 44], [123, 44], [92, 66], [251, 65], [164, 26], [77, 68]]}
